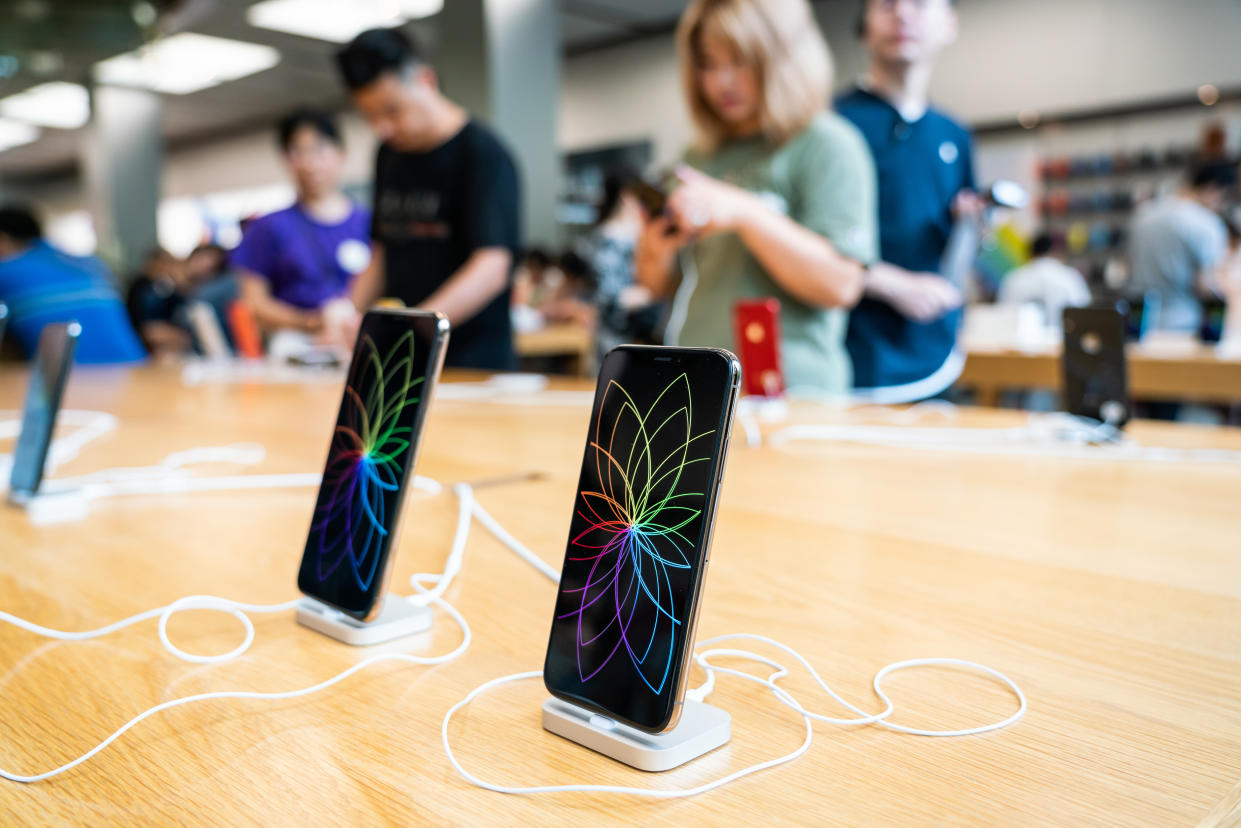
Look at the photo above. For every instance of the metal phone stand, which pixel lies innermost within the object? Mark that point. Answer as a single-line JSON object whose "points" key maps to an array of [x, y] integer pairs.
{"points": [[702, 729], [398, 618]]}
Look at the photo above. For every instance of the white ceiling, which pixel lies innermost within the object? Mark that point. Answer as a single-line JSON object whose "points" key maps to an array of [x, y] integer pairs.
{"points": [[305, 74]]}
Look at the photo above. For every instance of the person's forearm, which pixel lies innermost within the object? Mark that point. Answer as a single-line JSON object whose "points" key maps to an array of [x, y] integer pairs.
{"points": [[479, 281], [271, 313], [881, 279], [369, 284], [274, 314], [801, 261]]}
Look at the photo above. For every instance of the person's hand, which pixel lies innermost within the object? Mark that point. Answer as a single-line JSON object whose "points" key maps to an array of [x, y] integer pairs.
{"points": [[311, 321], [340, 322], [922, 297], [967, 203], [703, 206]]}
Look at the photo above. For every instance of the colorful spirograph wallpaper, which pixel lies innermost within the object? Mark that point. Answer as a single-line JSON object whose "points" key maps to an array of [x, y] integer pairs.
{"points": [[361, 485], [638, 521]]}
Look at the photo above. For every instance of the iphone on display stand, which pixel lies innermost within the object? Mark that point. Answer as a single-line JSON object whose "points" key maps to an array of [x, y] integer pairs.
{"points": [[48, 377], [622, 632], [370, 467]]}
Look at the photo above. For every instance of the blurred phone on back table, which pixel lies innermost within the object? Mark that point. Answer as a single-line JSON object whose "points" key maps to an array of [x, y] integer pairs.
{"points": [[1094, 367], [756, 332]]}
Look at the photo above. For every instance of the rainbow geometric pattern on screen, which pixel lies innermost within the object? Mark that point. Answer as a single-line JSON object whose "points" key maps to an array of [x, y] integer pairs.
{"points": [[633, 543], [365, 461]]}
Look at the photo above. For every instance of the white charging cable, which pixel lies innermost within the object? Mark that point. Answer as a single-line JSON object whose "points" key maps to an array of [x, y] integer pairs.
{"points": [[239, 611], [702, 658]]}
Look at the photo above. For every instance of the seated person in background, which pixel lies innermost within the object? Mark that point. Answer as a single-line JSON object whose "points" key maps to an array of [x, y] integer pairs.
{"points": [[41, 284], [628, 312], [212, 281], [1045, 281], [295, 260], [447, 216], [547, 292], [571, 302], [1178, 244], [902, 335], [776, 200], [156, 301]]}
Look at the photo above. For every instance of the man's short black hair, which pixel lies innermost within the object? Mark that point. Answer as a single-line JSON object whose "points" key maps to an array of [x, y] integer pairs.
{"points": [[1213, 174], [1041, 245], [861, 16], [373, 53], [18, 222], [321, 121]]}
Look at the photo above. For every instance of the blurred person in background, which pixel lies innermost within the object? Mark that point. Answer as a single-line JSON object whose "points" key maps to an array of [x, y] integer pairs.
{"points": [[292, 262], [41, 284], [628, 312], [902, 335], [1178, 246], [1046, 282], [446, 225], [776, 199], [156, 301]]}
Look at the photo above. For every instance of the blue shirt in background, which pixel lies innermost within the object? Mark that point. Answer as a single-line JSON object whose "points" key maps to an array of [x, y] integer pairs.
{"points": [[305, 262], [921, 166], [43, 284]]}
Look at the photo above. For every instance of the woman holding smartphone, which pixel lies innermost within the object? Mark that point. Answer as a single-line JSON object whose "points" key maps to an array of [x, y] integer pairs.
{"points": [[775, 199]]}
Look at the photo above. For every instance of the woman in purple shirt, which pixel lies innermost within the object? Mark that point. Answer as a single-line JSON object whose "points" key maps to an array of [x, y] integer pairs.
{"points": [[295, 260]]}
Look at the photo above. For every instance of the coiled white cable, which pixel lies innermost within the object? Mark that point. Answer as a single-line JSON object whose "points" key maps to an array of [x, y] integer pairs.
{"points": [[702, 658], [239, 611]]}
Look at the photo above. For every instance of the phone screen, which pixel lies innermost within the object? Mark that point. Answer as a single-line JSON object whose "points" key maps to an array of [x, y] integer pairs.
{"points": [[53, 360], [370, 459], [640, 532], [1094, 367]]}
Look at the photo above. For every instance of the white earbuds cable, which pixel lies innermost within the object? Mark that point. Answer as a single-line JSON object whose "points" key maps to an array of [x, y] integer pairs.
{"points": [[702, 658], [239, 611]]}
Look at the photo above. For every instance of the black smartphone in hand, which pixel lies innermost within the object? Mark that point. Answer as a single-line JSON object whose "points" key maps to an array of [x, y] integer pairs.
{"points": [[53, 360], [1094, 366], [370, 462], [639, 539]]}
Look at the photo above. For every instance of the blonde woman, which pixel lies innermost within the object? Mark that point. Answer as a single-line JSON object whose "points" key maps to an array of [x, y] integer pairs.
{"points": [[776, 198]]}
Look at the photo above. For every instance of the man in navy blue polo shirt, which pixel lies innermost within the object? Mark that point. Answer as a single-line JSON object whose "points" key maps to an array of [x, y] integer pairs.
{"points": [[902, 334]]}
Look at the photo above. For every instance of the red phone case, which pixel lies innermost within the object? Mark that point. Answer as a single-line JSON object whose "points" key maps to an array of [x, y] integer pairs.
{"points": [[756, 330]]}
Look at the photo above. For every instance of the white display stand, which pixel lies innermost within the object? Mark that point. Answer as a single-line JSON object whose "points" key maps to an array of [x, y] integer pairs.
{"points": [[702, 729], [398, 619]]}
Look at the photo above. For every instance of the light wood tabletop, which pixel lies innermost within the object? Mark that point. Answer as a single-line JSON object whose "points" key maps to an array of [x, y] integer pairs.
{"points": [[1187, 371], [1109, 590], [559, 340]]}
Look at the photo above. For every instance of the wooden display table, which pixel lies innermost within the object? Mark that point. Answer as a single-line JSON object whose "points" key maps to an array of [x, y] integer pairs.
{"points": [[1110, 591], [1194, 372], [562, 340]]}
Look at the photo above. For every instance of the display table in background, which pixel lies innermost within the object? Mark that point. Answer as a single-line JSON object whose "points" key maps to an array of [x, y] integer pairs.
{"points": [[1110, 591], [572, 342], [1191, 372]]}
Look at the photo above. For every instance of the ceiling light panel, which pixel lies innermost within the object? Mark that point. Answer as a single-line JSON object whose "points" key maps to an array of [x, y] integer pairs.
{"points": [[185, 63], [336, 21], [15, 133], [57, 104]]}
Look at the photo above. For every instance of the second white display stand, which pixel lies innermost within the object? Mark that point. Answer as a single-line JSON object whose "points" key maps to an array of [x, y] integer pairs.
{"points": [[702, 729], [398, 619]]}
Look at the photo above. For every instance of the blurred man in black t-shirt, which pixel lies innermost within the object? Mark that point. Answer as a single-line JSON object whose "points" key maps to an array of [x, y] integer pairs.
{"points": [[446, 223]]}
